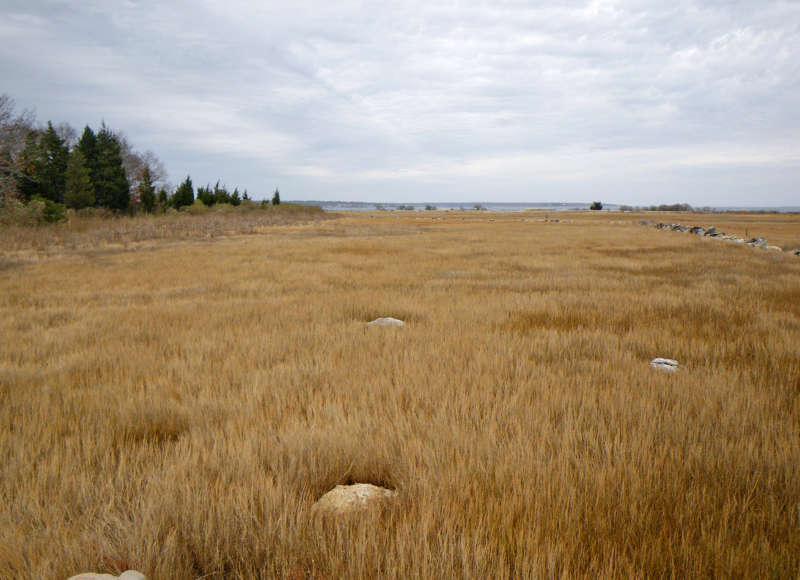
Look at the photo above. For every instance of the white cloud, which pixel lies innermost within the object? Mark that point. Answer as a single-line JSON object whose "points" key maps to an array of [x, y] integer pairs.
{"points": [[333, 96]]}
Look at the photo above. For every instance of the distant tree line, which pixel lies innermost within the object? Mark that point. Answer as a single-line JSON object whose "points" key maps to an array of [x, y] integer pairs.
{"points": [[663, 207], [55, 169], [185, 196]]}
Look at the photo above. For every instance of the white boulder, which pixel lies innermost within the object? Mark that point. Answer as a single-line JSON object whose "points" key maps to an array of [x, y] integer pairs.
{"points": [[126, 575], [386, 321], [664, 364], [358, 497]]}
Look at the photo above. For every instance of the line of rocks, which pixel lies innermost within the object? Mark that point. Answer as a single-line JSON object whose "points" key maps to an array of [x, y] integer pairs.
{"points": [[711, 232]]}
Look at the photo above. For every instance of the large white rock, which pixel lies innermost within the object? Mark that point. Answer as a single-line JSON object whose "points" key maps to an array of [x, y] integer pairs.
{"points": [[664, 364], [386, 321], [344, 499], [126, 575]]}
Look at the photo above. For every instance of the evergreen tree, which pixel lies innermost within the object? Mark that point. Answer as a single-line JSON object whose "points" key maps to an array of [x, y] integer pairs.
{"points": [[163, 199], [235, 199], [30, 162], [52, 171], [13, 130], [205, 195], [184, 195], [87, 145], [78, 188], [8, 183], [221, 194], [111, 187], [147, 191], [245, 197], [276, 197]]}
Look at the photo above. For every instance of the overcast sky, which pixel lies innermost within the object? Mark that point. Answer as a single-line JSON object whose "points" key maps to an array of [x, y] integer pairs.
{"points": [[630, 101]]}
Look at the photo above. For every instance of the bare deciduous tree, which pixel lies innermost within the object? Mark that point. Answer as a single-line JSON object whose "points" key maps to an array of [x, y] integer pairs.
{"points": [[67, 134], [134, 163], [13, 130]]}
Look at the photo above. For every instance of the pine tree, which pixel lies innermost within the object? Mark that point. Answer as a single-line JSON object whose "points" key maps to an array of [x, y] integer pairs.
{"points": [[184, 195], [276, 197], [221, 194], [205, 195], [87, 145], [147, 191], [110, 184], [13, 130], [162, 199], [30, 161], [235, 199], [52, 172], [78, 188]]}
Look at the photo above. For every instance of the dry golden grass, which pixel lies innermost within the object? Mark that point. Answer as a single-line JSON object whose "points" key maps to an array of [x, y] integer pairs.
{"points": [[108, 233], [178, 409]]}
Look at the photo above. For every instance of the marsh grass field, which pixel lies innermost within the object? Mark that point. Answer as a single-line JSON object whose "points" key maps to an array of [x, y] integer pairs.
{"points": [[177, 404]]}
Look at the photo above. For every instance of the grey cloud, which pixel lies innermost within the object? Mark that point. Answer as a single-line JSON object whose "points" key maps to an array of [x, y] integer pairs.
{"points": [[357, 99]]}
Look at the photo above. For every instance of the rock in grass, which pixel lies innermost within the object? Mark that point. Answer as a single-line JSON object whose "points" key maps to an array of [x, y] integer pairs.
{"points": [[774, 248], [796, 251], [664, 364], [127, 575], [344, 499], [386, 321]]}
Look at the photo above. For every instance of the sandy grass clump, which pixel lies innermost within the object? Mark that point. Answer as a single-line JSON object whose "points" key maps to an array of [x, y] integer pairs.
{"points": [[179, 410]]}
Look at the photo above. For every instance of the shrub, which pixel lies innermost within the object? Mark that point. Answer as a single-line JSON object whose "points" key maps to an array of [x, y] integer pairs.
{"points": [[198, 207], [51, 212], [54, 212], [596, 205], [37, 210], [14, 212]]}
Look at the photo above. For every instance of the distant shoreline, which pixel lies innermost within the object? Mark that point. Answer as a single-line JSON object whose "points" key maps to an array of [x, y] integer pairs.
{"points": [[517, 206]]}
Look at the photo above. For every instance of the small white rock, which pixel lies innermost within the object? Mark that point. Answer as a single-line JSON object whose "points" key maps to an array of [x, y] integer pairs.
{"points": [[126, 575], [386, 321], [664, 364]]}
